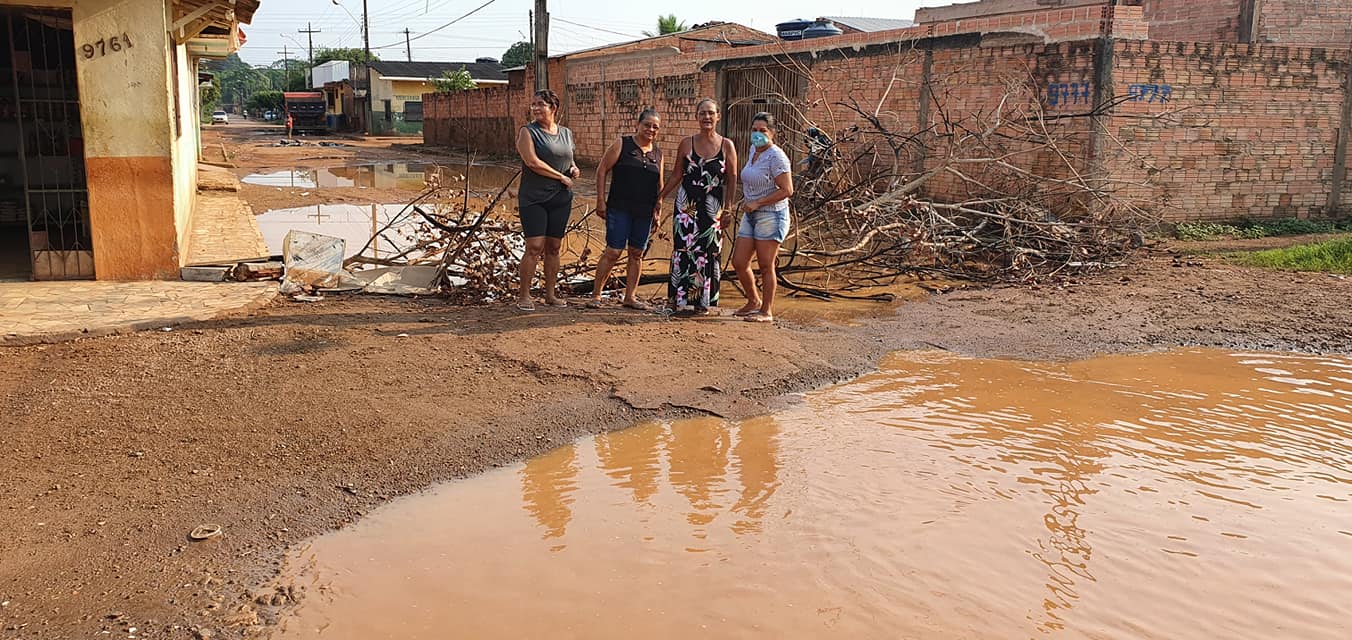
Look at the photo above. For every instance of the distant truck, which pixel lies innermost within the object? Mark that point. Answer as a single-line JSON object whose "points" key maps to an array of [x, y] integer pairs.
{"points": [[307, 111]]}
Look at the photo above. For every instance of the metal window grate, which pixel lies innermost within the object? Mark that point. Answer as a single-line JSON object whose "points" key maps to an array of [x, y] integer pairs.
{"points": [[41, 49]]}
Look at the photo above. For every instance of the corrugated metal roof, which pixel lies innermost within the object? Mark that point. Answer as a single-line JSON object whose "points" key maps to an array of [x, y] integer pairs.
{"points": [[871, 24], [477, 70]]}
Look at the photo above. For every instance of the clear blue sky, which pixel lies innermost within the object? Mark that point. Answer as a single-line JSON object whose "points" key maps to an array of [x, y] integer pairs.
{"points": [[577, 24]]}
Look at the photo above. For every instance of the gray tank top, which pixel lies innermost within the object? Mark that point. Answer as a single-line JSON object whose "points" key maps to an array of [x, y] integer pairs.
{"points": [[556, 151]]}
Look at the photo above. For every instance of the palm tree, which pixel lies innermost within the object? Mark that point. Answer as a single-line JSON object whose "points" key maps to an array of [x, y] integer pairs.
{"points": [[667, 24]]}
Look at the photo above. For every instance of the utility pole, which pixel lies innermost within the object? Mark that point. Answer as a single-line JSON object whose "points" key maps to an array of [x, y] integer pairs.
{"points": [[310, 32], [541, 45], [408, 48], [286, 66], [366, 31], [366, 46]]}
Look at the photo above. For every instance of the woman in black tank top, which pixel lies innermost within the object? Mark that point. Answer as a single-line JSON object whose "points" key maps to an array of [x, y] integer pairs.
{"points": [[629, 207]]}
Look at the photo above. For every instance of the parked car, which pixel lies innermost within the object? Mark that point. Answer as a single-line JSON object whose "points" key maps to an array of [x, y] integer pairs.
{"points": [[270, 115], [219, 117]]}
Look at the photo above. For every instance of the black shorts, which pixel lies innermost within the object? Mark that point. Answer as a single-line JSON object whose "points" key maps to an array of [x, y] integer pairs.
{"points": [[548, 218]]}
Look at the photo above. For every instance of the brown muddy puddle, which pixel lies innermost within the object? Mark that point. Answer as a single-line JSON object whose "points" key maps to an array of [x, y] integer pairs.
{"points": [[1193, 494]]}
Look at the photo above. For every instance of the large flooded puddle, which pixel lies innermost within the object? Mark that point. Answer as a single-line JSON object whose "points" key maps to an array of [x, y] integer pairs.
{"points": [[393, 175], [1183, 495]]}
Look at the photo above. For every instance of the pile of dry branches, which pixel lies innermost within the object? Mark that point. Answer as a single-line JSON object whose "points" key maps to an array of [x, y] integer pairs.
{"points": [[995, 194], [474, 242]]}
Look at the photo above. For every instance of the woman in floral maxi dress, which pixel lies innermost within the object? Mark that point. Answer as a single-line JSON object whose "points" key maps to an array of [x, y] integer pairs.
{"points": [[707, 167]]}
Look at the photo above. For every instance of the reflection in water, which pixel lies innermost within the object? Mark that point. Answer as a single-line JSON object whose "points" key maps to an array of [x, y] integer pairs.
{"points": [[1184, 495], [395, 175], [632, 459], [547, 486], [698, 457]]}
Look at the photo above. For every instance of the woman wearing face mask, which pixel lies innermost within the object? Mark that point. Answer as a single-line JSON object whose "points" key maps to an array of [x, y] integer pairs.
{"points": [[767, 185], [705, 174], [630, 208], [546, 195]]}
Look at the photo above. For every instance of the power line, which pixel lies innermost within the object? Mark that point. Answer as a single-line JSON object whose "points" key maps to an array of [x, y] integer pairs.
{"points": [[428, 33], [587, 26]]}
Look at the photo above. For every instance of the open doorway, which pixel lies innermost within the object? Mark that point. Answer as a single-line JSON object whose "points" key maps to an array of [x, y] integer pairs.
{"points": [[44, 200]]}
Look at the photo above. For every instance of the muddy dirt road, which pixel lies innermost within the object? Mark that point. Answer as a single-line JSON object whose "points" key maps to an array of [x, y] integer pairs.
{"points": [[300, 419]]}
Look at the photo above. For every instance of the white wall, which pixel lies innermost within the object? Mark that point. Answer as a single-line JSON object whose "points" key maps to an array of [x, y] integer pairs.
{"points": [[186, 145]]}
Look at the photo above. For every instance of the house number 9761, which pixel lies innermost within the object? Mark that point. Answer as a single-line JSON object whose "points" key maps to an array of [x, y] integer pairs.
{"points": [[105, 46]]}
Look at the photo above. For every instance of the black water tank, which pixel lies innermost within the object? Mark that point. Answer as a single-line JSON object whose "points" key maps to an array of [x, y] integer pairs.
{"points": [[486, 60], [793, 29], [821, 28]]}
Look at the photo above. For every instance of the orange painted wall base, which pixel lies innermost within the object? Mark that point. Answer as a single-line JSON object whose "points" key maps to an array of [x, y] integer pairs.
{"points": [[131, 211]]}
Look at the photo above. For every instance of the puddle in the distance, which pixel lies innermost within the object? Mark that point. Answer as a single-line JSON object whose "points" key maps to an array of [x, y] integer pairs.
{"points": [[1182, 495], [397, 175]]}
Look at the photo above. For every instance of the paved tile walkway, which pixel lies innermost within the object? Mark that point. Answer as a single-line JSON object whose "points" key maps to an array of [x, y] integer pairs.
{"points": [[223, 231], [55, 311]]}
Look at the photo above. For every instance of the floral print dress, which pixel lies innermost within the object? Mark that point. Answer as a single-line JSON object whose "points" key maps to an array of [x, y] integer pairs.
{"points": [[696, 264]]}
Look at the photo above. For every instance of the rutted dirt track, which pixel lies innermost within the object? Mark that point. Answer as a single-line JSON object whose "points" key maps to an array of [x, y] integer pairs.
{"points": [[300, 419]]}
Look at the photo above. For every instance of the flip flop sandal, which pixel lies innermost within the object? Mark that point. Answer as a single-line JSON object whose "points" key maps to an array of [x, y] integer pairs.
{"points": [[742, 314], [758, 317], [205, 532], [593, 304], [526, 306], [637, 305], [558, 302]]}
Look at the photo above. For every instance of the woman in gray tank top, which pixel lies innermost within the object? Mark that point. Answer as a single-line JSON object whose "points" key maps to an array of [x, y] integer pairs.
{"points": [[546, 195]]}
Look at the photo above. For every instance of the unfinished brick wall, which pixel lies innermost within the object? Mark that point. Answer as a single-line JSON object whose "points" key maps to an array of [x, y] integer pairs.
{"points": [[1194, 20], [1254, 132], [1230, 130], [605, 95], [480, 121], [1326, 23]]}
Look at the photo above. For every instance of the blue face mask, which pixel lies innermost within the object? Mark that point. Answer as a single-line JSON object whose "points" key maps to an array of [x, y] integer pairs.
{"points": [[759, 139]]}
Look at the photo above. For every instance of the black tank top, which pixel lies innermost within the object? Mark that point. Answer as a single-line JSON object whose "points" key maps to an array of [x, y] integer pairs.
{"points": [[634, 179]]}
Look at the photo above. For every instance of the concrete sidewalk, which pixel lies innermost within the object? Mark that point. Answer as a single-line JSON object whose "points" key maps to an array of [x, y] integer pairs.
{"points": [[32, 312]]}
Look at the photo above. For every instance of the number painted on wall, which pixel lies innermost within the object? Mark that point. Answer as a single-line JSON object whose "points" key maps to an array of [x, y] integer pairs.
{"points": [[105, 46], [1068, 93], [1149, 92]]}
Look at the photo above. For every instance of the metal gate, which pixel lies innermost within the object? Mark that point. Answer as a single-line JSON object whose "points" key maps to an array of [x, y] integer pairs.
{"points": [[43, 106], [775, 90]]}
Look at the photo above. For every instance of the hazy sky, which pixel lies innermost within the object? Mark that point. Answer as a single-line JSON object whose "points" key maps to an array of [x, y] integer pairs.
{"points": [[576, 24]]}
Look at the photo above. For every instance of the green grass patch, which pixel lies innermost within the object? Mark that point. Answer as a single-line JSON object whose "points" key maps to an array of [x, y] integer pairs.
{"points": [[1258, 228], [1334, 256]]}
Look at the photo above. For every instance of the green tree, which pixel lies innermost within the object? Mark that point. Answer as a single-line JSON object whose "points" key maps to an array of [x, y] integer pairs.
{"points": [[264, 101], [209, 97], [452, 81], [517, 55], [356, 56], [287, 75], [667, 24]]}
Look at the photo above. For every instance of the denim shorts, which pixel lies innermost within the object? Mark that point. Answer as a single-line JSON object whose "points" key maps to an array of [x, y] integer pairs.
{"points": [[624, 228], [765, 224]]}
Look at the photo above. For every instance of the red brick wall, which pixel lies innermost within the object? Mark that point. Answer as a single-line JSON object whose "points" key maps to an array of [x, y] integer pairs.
{"points": [[604, 96], [1223, 130], [1325, 23], [1194, 20], [482, 121], [1230, 130]]}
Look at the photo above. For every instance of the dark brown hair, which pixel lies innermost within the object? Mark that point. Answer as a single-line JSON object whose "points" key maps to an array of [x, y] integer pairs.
{"points": [[647, 113], [550, 98], [766, 117]]}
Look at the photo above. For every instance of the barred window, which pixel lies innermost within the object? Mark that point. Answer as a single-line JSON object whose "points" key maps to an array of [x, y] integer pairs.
{"points": [[584, 95], [677, 88], [626, 92]]}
